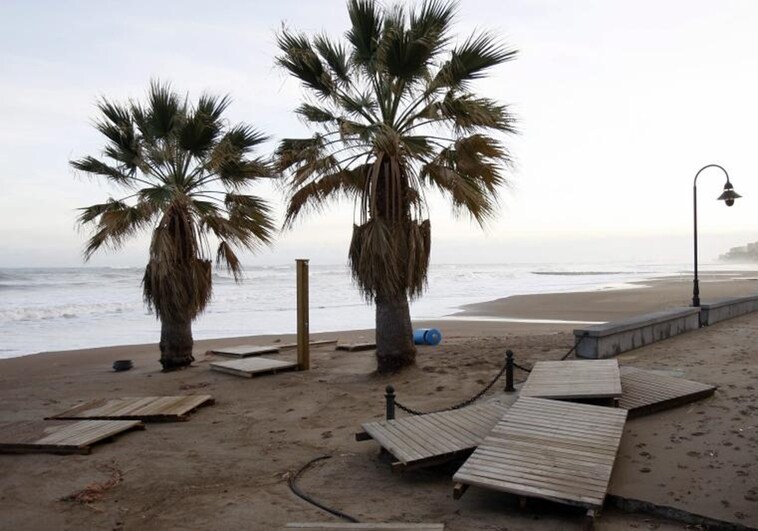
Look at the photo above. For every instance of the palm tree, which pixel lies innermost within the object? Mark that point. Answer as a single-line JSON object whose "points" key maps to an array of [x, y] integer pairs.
{"points": [[184, 174], [395, 115]]}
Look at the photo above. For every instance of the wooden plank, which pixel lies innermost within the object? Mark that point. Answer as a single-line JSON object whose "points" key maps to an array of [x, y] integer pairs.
{"points": [[432, 438], [355, 347], [60, 437], [574, 380], [249, 367], [364, 526], [244, 351], [146, 408], [536, 451], [646, 392]]}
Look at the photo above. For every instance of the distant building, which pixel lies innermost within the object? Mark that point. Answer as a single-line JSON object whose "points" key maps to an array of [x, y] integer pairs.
{"points": [[746, 253]]}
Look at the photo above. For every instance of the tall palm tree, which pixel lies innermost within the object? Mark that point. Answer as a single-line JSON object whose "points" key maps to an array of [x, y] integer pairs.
{"points": [[184, 174], [395, 114]]}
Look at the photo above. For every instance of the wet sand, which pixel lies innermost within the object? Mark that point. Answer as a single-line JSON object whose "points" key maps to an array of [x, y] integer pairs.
{"points": [[227, 467]]}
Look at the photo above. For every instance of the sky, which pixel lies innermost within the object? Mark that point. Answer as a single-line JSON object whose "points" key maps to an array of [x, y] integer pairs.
{"points": [[619, 104]]}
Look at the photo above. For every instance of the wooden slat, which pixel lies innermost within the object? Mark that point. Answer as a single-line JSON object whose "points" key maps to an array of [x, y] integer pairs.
{"points": [[60, 437], [249, 367], [358, 527], [415, 439], [146, 408], [549, 449], [647, 392], [575, 379], [244, 351]]}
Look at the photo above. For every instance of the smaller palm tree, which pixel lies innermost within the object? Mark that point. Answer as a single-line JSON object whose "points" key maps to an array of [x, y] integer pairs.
{"points": [[184, 172]]}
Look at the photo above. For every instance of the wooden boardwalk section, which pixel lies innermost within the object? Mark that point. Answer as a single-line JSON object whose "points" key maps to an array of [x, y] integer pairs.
{"points": [[244, 351], [556, 450], [146, 408], [646, 392], [366, 527], [574, 380], [422, 440], [355, 347], [249, 367], [60, 437]]}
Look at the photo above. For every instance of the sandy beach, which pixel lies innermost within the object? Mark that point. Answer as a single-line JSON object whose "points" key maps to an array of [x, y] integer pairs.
{"points": [[228, 466]]}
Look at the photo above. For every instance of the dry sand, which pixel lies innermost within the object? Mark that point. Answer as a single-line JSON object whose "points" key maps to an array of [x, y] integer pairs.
{"points": [[227, 467]]}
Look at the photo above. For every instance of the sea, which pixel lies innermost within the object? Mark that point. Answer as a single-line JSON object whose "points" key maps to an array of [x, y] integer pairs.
{"points": [[58, 309]]}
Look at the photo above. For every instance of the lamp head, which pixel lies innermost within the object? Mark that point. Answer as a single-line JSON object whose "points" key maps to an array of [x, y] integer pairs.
{"points": [[729, 195]]}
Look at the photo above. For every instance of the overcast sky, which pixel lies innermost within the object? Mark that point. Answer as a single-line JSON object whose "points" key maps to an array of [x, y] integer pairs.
{"points": [[619, 103]]}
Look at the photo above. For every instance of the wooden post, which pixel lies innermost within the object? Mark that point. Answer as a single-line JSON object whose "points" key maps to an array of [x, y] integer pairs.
{"points": [[303, 324]]}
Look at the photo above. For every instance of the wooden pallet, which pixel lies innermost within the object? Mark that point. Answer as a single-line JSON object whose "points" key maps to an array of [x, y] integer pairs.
{"points": [[317, 343], [574, 380], [146, 408], [244, 351], [551, 449], [355, 347], [646, 392], [424, 440], [60, 437], [249, 367], [357, 527]]}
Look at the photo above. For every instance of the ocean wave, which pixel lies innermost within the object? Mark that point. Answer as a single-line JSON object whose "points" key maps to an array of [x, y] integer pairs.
{"points": [[66, 311]]}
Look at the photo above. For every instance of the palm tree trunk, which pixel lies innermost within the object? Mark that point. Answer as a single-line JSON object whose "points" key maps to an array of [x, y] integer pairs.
{"points": [[394, 334], [176, 344]]}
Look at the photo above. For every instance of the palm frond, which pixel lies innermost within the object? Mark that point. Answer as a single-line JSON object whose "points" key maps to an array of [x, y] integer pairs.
{"points": [[471, 60], [335, 56], [93, 166], [349, 183], [300, 60], [365, 32]]}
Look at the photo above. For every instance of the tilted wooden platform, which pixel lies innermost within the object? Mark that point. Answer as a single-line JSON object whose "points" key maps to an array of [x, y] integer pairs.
{"points": [[60, 437], [355, 347], [574, 380], [244, 351], [356, 527], [422, 440], [249, 367], [146, 408], [560, 451], [647, 392]]}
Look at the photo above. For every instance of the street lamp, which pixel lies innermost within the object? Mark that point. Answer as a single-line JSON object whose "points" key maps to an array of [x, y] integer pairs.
{"points": [[728, 197]]}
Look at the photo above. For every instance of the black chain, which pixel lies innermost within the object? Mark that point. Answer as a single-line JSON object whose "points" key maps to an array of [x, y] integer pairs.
{"points": [[574, 347], [459, 405], [481, 393], [521, 367]]}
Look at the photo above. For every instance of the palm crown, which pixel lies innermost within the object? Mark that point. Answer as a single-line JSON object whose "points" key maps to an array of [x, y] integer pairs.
{"points": [[394, 113], [184, 173]]}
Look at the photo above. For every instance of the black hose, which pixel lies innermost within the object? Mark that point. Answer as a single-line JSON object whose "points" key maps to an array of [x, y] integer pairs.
{"points": [[300, 494]]}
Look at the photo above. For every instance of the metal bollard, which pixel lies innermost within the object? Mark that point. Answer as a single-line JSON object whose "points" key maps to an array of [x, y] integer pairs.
{"points": [[390, 396], [509, 371]]}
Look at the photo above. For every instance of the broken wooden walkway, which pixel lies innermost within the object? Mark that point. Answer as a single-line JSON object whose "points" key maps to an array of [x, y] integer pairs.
{"points": [[646, 392], [146, 408], [574, 380], [249, 367], [556, 450], [244, 351], [355, 347], [366, 527], [422, 440], [60, 437]]}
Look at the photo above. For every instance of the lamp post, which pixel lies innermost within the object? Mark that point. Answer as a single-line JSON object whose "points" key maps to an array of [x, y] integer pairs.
{"points": [[728, 197]]}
